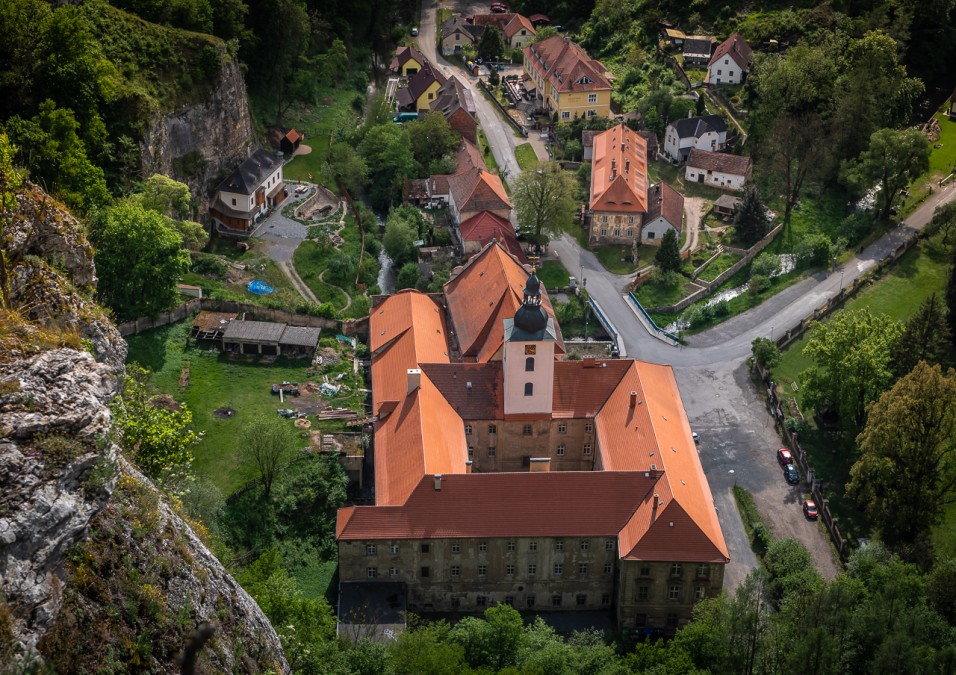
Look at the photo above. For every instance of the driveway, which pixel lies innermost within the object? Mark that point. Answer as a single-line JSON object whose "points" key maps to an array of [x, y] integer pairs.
{"points": [[282, 236]]}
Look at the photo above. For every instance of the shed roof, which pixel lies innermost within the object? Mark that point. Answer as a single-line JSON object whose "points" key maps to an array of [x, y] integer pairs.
{"points": [[723, 162], [254, 331], [698, 46], [300, 336]]}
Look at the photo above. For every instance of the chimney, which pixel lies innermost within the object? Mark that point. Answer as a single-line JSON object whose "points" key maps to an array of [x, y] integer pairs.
{"points": [[468, 464], [414, 379], [627, 166], [539, 464], [633, 399], [657, 498], [437, 482]]}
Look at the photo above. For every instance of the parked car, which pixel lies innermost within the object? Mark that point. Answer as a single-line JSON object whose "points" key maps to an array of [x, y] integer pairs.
{"points": [[499, 8], [790, 473], [695, 436], [784, 456], [414, 32], [810, 509]]}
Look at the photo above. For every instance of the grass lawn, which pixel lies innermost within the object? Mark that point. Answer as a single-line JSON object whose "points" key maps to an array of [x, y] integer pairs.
{"points": [[611, 258], [215, 381], [526, 156], [311, 260], [486, 153], [553, 275], [334, 111], [721, 264], [654, 295], [258, 267]]}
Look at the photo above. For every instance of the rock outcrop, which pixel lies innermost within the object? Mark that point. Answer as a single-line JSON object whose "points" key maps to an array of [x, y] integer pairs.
{"points": [[200, 142], [97, 569]]}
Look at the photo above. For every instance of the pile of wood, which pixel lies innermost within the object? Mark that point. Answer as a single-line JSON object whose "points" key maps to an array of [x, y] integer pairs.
{"points": [[337, 414]]}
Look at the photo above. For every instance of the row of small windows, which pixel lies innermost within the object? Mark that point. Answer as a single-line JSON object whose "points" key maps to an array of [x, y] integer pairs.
{"points": [[455, 570], [581, 600], [673, 593], [528, 429], [584, 544]]}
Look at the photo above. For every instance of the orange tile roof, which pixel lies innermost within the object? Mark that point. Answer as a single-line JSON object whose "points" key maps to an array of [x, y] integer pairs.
{"points": [[476, 189], [655, 434], [518, 21], [582, 387], [488, 290], [485, 226], [492, 505], [565, 65], [422, 435], [619, 171]]}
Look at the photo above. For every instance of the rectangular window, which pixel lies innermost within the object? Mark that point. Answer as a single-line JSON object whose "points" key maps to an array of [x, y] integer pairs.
{"points": [[558, 569], [604, 232], [482, 546], [529, 388], [559, 545], [643, 592], [630, 232], [676, 569], [482, 570], [425, 548], [510, 600], [630, 220], [233, 202], [527, 430], [510, 570], [585, 544], [511, 546], [588, 427], [592, 113], [467, 430], [650, 235], [562, 427], [719, 71], [492, 428], [603, 219], [587, 449], [700, 593], [608, 568], [617, 232], [532, 546], [556, 600], [393, 571], [645, 570], [371, 572], [530, 601], [673, 592], [605, 598], [394, 549], [532, 569], [456, 548], [565, 115], [471, 452], [560, 450], [580, 600], [455, 572], [425, 571], [592, 98], [583, 569], [608, 544], [703, 571], [371, 549], [491, 451], [481, 601]]}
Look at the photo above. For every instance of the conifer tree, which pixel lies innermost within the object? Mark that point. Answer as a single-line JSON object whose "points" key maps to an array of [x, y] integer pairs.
{"points": [[751, 222]]}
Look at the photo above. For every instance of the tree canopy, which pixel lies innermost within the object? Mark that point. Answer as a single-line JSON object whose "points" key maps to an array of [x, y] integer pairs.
{"points": [[667, 257], [750, 220], [387, 151], [543, 199], [491, 44], [402, 230]]}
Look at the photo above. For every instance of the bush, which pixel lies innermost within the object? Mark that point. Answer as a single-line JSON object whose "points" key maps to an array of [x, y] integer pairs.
{"points": [[721, 308], [758, 283], [665, 278], [209, 265], [765, 265], [856, 226], [407, 276], [765, 352], [813, 251]]}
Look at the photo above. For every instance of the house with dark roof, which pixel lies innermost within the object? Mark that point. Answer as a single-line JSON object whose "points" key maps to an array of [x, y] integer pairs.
{"points": [[475, 190], [254, 187], [268, 338], [726, 205], [665, 211], [485, 227], [456, 103], [587, 142], [696, 50], [730, 62], [421, 90], [704, 133], [505, 474], [407, 61], [718, 169], [566, 81], [455, 33], [952, 104]]}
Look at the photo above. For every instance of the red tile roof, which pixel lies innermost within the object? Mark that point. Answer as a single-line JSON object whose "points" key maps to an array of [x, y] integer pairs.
{"points": [[582, 387], [478, 190], [292, 136], [518, 22], [565, 65], [469, 157], [474, 390], [668, 202], [486, 226], [737, 48], [619, 171], [486, 291], [737, 165]]}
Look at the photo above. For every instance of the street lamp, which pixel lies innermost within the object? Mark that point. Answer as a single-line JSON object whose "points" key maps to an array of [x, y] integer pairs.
{"points": [[841, 280], [771, 333], [587, 306]]}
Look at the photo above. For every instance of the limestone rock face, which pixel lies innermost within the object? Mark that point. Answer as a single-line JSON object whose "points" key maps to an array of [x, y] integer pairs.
{"points": [[198, 143]]}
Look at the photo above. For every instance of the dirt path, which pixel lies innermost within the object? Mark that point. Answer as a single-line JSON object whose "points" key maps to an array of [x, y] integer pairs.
{"points": [[289, 270], [348, 298], [694, 209]]}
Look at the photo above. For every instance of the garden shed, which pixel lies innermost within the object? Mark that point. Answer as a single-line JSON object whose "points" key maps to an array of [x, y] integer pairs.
{"points": [[270, 339]]}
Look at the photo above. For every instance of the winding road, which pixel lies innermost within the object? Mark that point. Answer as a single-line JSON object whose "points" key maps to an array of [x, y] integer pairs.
{"points": [[738, 438]]}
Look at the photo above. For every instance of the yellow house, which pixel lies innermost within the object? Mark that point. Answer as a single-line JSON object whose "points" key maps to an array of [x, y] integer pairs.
{"points": [[421, 91], [407, 61], [567, 81]]}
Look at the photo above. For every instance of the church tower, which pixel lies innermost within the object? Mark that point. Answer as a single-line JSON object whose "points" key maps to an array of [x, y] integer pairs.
{"points": [[528, 361]]}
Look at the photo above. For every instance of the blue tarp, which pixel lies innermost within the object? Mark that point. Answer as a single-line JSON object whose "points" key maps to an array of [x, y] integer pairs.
{"points": [[259, 287]]}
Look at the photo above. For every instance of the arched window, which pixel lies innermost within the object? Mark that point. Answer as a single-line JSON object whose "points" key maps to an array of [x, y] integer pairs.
{"points": [[529, 389], [529, 364]]}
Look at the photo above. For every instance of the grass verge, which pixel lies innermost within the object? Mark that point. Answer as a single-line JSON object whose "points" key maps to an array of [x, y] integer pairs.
{"points": [[526, 156], [553, 275]]}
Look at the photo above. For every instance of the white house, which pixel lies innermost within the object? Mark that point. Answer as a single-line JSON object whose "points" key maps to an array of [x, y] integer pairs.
{"points": [[718, 169], [704, 133], [248, 193], [730, 62], [665, 211]]}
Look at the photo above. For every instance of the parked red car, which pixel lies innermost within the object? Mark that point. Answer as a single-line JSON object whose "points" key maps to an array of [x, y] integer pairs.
{"points": [[810, 509], [784, 456]]}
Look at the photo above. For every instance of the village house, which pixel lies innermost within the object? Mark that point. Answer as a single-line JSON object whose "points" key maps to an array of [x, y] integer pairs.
{"points": [[456, 103], [725, 206], [696, 50], [456, 33], [476, 232], [665, 211], [730, 62], [421, 90], [516, 29], [704, 133], [618, 201], [407, 61], [254, 187], [290, 142], [566, 81], [718, 169], [504, 474]]}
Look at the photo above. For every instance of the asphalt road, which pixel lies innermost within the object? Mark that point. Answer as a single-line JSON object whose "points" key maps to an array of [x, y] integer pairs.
{"points": [[738, 439]]}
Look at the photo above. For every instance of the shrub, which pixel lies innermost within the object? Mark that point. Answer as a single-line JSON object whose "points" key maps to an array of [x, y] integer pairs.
{"points": [[758, 283], [765, 265], [813, 251], [765, 352], [856, 226], [209, 265], [665, 278], [721, 308]]}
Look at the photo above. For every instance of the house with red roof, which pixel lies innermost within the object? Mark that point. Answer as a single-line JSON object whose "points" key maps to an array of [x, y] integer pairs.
{"points": [[485, 227], [506, 474], [731, 61], [718, 169], [565, 80]]}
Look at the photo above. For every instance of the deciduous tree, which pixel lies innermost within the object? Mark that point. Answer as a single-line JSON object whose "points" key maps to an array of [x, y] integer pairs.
{"points": [[544, 201], [765, 352], [11, 178], [951, 294], [387, 151], [266, 443], [851, 363], [401, 233], [892, 159], [432, 138], [794, 153], [348, 167], [906, 472]]}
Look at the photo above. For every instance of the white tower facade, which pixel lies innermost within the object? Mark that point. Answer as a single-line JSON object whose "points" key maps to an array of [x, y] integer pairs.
{"points": [[528, 356]]}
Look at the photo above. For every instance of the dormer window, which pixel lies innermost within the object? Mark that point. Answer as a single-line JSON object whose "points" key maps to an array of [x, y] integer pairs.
{"points": [[584, 80]]}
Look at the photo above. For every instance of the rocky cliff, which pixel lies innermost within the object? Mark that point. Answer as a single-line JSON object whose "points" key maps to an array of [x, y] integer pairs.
{"points": [[200, 142], [97, 569]]}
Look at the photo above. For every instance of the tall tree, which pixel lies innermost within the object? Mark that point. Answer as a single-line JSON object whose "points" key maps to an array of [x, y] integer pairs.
{"points": [[491, 44], [951, 294], [139, 258], [402, 230], [432, 138], [667, 257], [387, 151], [544, 201], [750, 221], [348, 167], [906, 473], [892, 160], [265, 444], [851, 363], [926, 337]]}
